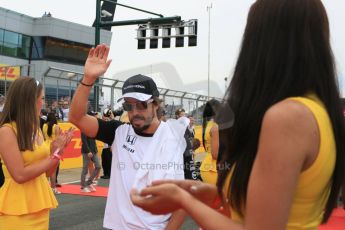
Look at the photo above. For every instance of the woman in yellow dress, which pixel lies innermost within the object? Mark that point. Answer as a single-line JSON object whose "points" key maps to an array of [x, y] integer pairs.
{"points": [[284, 159], [26, 197], [210, 140]]}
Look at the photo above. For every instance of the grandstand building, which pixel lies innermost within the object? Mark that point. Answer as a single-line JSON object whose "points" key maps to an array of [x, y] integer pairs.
{"points": [[44, 47]]}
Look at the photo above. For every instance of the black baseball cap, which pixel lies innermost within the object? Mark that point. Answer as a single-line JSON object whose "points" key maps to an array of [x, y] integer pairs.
{"points": [[139, 87]]}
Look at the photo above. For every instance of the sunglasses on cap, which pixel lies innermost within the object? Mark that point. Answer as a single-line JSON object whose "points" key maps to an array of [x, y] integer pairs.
{"points": [[140, 105]]}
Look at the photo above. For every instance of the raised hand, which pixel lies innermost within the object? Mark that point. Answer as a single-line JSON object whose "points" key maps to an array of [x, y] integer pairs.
{"points": [[96, 63]]}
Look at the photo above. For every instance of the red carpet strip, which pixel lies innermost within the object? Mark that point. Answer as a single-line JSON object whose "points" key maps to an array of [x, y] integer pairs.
{"points": [[75, 190]]}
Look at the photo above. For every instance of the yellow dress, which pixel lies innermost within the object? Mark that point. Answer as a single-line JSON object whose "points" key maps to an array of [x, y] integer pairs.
{"points": [[208, 168], [45, 131], [314, 184], [26, 206]]}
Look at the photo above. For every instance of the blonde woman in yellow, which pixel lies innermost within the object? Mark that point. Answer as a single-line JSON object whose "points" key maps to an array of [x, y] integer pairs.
{"points": [[210, 139], [26, 197], [50, 129]]}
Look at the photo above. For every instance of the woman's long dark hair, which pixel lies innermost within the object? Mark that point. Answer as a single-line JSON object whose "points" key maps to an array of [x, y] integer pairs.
{"points": [[21, 108], [51, 121], [210, 110], [285, 52]]}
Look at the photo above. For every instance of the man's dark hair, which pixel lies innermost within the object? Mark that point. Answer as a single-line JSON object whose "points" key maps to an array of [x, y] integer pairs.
{"points": [[210, 111], [160, 112], [51, 121], [156, 100]]}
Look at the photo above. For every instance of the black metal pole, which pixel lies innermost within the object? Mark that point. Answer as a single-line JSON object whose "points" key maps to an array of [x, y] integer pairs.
{"points": [[97, 41], [133, 8], [163, 20], [98, 21]]}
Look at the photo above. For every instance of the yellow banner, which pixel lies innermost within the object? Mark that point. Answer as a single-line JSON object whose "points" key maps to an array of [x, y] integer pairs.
{"points": [[72, 153], [9, 73]]}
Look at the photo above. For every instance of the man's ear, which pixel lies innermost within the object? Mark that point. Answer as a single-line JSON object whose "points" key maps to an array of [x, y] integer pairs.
{"points": [[155, 108]]}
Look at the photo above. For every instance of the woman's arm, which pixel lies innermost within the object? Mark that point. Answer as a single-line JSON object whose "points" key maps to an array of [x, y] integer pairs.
{"points": [[13, 159], [176, 220], [206, 193], [214, 142], [288, 145], [154, 199], [57, 131], [206, 217]]}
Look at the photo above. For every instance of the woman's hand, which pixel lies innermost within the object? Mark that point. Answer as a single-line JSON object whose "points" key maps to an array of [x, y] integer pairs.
{"points": [[160, 199], [96, 63], [206, 193], [61, 140], [165, 196]]}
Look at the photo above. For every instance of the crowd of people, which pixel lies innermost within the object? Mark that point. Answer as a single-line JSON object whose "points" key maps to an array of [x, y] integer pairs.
{"points": [[279, 164], [59, 107]]}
